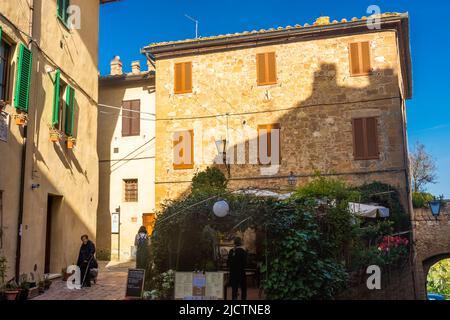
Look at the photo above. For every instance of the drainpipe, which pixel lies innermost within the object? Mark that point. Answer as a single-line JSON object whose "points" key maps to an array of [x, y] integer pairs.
{"points": [[23, 167]]}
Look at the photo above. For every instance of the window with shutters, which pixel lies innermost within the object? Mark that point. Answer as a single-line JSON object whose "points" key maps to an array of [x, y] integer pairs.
{"points": [[131, 118], [69, 111], [62, 6], [269, 143], [59, 102], [266, 69], [360, 58], [365, 138], [5, 63], [130, 190], [22, 93], [183, 77], [183, 149]]}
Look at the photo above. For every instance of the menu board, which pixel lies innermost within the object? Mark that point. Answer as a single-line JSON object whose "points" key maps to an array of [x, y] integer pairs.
{"points": [[135, 283], [199, 286]]}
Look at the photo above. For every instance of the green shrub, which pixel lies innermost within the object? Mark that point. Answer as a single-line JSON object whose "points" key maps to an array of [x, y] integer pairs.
{"points": [[421, 199], [210, 179]]}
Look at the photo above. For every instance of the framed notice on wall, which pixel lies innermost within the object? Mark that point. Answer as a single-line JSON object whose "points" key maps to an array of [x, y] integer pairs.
{"points": [[4, 126], [115, 222]]}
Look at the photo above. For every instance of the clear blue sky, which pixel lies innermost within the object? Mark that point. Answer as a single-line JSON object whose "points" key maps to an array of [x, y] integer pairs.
{"points": [[127, 26]]}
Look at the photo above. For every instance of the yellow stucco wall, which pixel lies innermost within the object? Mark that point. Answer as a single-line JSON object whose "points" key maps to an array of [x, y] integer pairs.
{"points": [[134, 159], [70, 174], [314, 100]]}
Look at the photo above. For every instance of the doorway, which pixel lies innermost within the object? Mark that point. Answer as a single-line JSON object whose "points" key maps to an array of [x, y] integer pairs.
{"points": [[53, 206]]}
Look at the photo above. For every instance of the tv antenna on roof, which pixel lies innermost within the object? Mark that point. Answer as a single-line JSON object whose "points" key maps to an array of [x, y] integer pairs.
{"points": [[196, 25]]}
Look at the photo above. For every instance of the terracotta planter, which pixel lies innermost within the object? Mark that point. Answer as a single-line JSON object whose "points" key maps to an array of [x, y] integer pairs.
{"points": [[70, 143], [20, 121], [11, 294], [54, 136]]}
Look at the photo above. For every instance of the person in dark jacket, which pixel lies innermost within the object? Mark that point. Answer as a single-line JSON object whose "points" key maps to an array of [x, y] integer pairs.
{"points": [[237, 261], [141, 243], [86, 260]]}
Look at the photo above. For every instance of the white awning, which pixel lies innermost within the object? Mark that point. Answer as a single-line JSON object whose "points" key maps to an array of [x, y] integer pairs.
{"points": [[264, 193], [368, 211]]}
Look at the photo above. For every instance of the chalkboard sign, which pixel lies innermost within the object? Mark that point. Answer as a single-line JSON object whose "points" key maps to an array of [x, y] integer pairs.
{"points": [[135, 283]]}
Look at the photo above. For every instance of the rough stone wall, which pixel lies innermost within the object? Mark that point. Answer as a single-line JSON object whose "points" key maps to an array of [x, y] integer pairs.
{"points": [[396, 284], [314, 101], [432, 241]]}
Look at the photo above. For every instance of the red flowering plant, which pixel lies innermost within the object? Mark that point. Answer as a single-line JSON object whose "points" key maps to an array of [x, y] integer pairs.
{"points": [[394, 249]]}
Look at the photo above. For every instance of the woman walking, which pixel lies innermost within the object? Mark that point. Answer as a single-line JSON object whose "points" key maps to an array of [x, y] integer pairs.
{"points": [[141, 242]]}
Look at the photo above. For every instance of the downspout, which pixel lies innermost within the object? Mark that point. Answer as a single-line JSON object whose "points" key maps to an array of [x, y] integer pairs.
{"points": [[23, 168]]}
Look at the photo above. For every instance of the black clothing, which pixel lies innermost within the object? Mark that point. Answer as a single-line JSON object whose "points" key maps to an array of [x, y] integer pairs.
{"points": [[237, 261], [86, 261]]}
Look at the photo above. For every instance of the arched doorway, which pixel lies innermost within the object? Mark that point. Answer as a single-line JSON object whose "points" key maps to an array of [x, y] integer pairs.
{"points": [[437, 272]]}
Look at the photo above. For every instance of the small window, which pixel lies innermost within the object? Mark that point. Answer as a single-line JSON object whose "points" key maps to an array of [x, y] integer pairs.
{"points": [[266, 148], [266, 70], [63, 5], [131, 118], [59, 102], [365, 139], [5, 51], [360, 64], [183, 77], [130, 190], [183, 150]]}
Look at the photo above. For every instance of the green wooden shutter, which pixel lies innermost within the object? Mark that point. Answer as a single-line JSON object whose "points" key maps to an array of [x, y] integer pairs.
{"points": [[56, 93], [0, 33], [24, 63], [70, 110]]}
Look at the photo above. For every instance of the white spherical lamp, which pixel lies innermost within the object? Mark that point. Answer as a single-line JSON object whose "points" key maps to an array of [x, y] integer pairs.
{"points": [[221, 208]]}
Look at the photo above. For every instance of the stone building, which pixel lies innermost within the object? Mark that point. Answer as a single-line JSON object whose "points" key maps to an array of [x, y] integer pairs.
{"points": [[328, 97], [126, 150], [49, 172]]}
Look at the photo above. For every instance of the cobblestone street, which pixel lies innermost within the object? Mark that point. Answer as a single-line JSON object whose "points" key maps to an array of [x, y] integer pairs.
{"points": [[111, 284]]}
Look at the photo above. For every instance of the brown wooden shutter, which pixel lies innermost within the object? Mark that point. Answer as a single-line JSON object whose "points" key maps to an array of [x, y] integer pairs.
{"points": [[266, 72], [271, 66], [187, 77], [365, 57], [360, 58], [136, 119], [372, 138], [358, 139], [126, 115], [178, 77], [365, 139], [354, 58], [183, 77]]}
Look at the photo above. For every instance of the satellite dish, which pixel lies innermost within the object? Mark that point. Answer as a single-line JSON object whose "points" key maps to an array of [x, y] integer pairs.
{"points": [[221, 209]]}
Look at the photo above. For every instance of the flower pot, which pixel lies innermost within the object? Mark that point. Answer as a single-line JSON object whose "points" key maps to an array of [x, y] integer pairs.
{"points": [[70, 143], [54, 136], [11, 294], [20, 121]]}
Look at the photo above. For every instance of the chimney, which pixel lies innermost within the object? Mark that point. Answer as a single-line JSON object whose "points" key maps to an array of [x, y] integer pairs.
{"points": [[136, 67], [116, 66]]}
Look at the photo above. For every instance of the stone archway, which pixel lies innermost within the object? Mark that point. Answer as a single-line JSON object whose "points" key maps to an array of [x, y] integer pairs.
{"points": [[430, 262], [432, 243]]}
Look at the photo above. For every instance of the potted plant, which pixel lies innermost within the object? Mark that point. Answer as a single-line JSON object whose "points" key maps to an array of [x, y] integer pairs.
{"points": [[41, 286], [21, 119], [54, 134], [11, 290], [47, 283], [70, 142], [24, 289]]}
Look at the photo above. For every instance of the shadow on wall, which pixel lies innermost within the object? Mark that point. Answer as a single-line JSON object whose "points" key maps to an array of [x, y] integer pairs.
{"points": [[317, 134]]}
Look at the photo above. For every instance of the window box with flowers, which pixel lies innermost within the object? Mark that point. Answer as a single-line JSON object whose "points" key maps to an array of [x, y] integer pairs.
{"points": [[20, 119], [71, 142]]}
